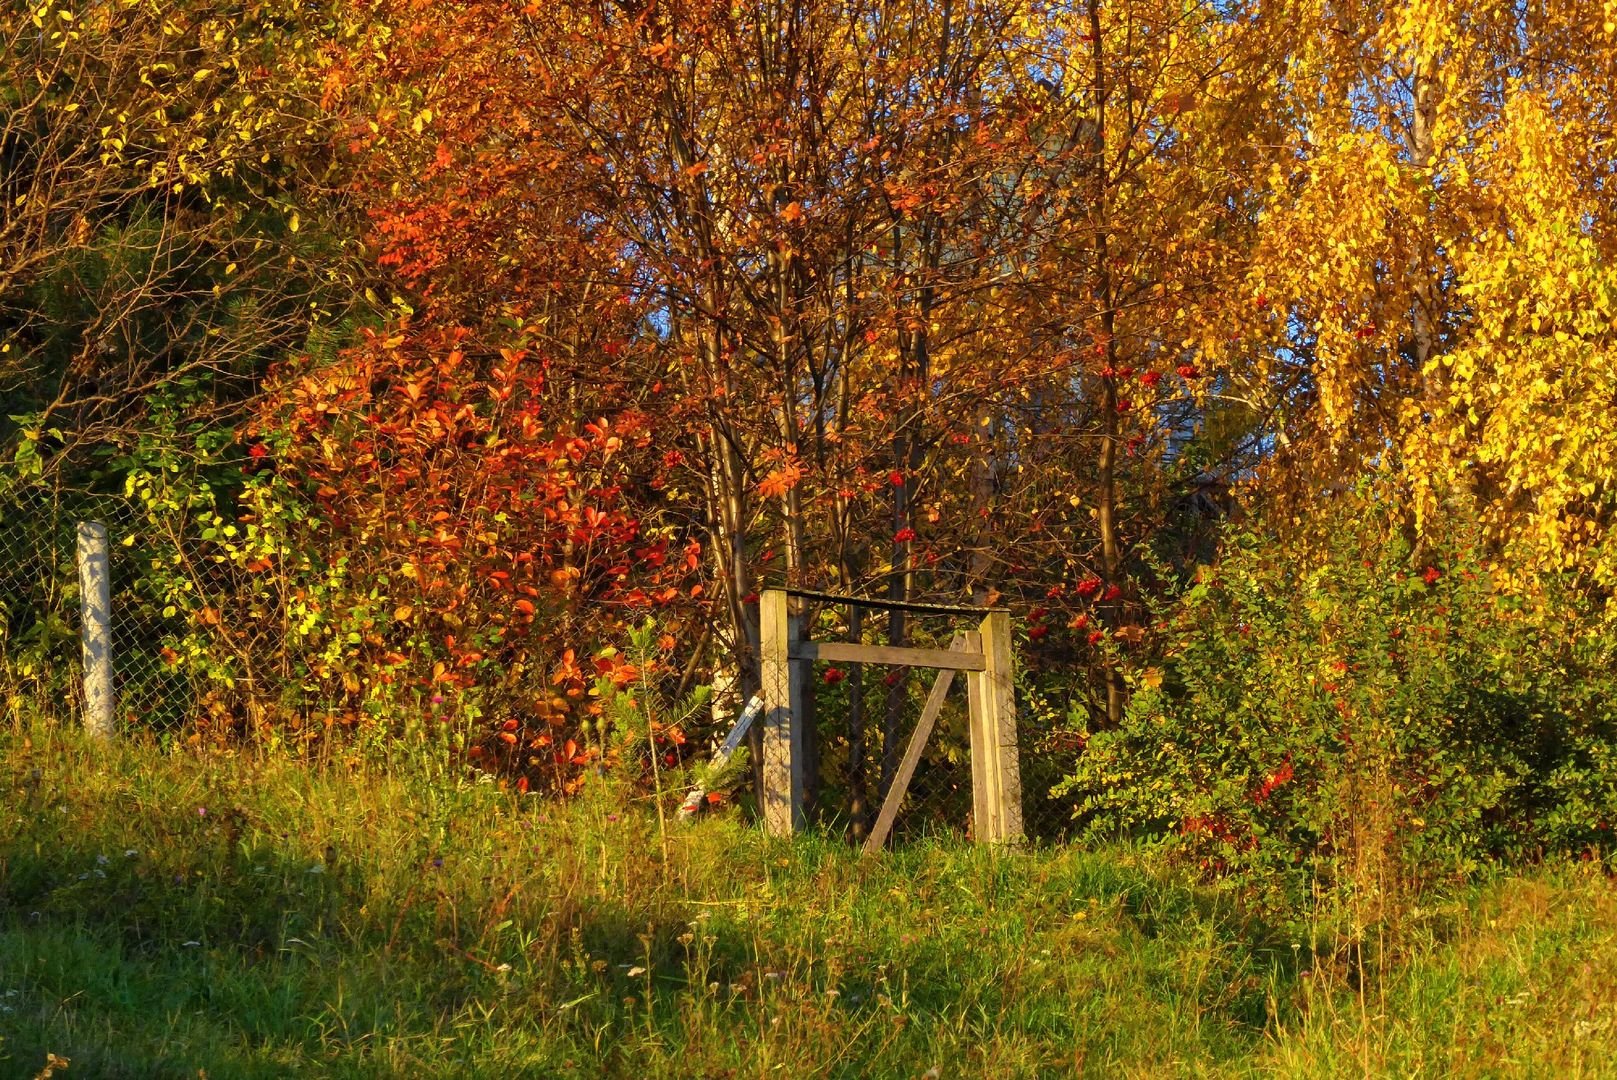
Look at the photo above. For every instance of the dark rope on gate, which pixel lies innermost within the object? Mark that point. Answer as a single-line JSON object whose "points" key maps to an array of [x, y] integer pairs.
{"points": [[893, 605]]}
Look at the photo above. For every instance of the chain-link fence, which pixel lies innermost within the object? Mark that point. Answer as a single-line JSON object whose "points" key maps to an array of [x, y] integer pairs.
{"points": [[197, 644], [855, 773], [39, 642], [155, 586], [41, 665], [1048, 752]]}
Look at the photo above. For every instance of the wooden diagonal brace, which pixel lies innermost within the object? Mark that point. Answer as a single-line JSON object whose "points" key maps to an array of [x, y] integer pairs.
{"points": [[963, 643]]}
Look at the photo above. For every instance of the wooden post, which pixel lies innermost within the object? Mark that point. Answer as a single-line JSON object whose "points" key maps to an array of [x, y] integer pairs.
{"points": [[806, 750], [783, 757], [721, 757], [996, 777], [982, 811], [95, 628], [858, 812]]}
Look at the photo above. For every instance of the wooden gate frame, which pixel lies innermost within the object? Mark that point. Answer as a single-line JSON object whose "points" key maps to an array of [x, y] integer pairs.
{"points": [[984, 655]]}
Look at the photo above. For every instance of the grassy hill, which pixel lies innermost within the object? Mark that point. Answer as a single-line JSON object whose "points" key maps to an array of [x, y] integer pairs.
{"points": [[180, 915]]}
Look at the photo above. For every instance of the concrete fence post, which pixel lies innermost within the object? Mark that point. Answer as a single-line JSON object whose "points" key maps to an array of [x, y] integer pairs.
{"points": [[95, 628]]}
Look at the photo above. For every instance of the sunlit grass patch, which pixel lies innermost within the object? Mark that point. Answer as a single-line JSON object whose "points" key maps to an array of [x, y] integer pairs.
{"points": [[161, 914]]}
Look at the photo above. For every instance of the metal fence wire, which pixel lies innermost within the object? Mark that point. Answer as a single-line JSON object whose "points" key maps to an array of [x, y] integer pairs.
{"points": [[1047, 758], [214, 658], [39, 643], [41, 666]]}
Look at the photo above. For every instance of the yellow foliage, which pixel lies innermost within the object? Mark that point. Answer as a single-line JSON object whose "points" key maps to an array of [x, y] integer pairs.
{"points": [[1440, 240]]}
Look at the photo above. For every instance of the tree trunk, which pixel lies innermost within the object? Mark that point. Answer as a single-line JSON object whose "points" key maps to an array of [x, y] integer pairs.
{"points": [[1111, 552]]}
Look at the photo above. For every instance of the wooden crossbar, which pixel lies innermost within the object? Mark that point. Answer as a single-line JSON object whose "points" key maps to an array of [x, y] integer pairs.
{"points": [[852, 653]]}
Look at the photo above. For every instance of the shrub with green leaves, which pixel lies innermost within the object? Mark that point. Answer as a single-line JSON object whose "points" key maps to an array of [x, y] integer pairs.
{"points": [[1373, 719]]}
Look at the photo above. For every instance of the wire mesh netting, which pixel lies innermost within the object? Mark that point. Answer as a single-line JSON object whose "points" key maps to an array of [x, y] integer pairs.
{"points": [[39, 644], [163, 590], [1047, 753], [864, 718], [39, 604], [41, 666], [198, 644]]}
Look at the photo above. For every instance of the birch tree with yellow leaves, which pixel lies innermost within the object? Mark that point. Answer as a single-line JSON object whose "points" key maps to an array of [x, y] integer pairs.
{"points": [[1430, 297]]}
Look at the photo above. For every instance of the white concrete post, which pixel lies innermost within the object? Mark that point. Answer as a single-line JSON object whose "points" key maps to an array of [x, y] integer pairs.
{"points": [[95, 628]]}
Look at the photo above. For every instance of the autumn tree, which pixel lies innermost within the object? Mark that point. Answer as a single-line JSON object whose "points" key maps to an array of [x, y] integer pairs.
{"points": [[950, 300], [843, 256], [763, 246], [1426, 300], [158, 166]]}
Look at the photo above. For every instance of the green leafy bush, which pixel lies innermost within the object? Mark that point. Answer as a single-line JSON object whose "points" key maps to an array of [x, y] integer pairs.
{"points": [[1368, 718]]}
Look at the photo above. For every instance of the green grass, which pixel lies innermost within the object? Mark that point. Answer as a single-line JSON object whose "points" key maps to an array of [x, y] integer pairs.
{"points": [[161, 915]]}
